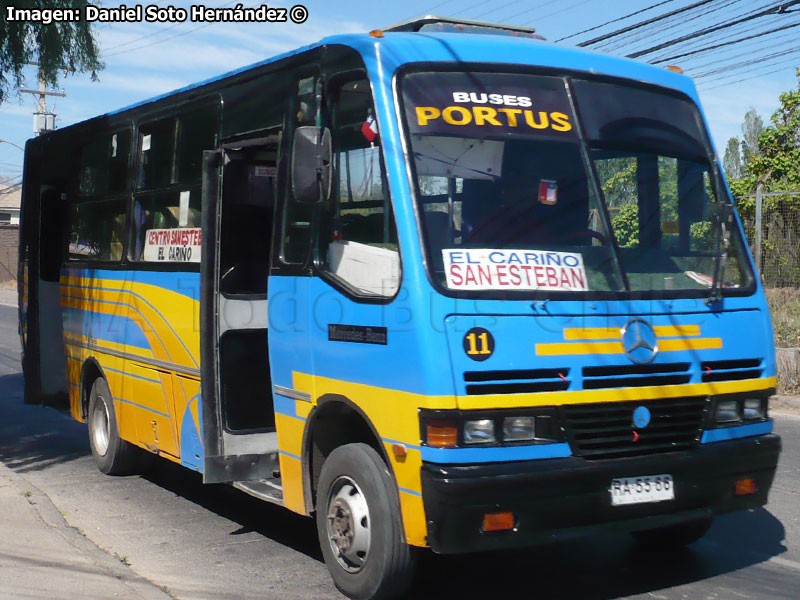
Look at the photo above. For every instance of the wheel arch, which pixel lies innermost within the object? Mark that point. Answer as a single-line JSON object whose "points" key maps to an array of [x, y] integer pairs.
{"points": [[90, 372], [335, 421]]}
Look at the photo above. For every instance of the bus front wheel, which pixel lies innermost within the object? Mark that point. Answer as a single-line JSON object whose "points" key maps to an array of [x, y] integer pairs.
{"points": [[674, 536], [113, 455], [359, 525]]}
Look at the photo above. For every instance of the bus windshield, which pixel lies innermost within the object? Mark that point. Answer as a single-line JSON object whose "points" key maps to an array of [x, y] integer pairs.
{"points": [[534, 183]]}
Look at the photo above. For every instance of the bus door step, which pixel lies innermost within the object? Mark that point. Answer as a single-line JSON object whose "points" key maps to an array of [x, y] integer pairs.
{"points": [[264, 489]]}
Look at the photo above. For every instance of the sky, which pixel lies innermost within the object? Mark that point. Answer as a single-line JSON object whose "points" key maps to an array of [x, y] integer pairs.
{"points": [[143, 60]]}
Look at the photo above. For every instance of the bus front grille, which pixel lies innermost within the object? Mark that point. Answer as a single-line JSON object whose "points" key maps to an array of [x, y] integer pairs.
{"points": [[516, 381], [615, 376], [601, 431], [731, 370]]}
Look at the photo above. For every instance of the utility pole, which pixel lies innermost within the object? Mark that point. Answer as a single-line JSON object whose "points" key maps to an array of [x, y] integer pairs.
{"points": [[43, 119]]}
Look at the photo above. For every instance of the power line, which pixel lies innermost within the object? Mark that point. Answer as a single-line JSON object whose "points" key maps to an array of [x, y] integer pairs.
{"points": [[558, 12], [172, 37], [641, 24], [714, 87], [663, 28], [628, 16], [526, 11], [780, 9], [483, 14], [714, 38], [751, 48], [435, 6], [142, 37], [728, 68]]}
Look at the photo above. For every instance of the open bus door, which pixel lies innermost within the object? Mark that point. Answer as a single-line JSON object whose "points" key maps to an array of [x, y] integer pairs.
{"points": [[41, 249], [239, 435]]}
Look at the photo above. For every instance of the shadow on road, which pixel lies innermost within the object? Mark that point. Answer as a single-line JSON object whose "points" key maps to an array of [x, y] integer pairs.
{"points": [[608, 566], [251, 514], [596, 568], [33, 438]]}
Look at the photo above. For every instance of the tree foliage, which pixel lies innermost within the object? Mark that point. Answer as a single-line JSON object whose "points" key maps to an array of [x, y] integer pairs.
{"points": [[732, 161], [60, 47], [752, 127], [777, 165]]}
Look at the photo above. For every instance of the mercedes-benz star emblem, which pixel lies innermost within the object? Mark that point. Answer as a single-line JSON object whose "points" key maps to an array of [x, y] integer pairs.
{"points": [[639, 341]]}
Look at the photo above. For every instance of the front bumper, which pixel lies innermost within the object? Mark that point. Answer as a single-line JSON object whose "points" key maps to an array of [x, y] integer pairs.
{"points": [[559, 498]]}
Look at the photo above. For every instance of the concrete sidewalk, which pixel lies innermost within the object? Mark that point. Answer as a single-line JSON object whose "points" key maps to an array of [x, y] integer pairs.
{"points": [[41, 557], [8, 296]]}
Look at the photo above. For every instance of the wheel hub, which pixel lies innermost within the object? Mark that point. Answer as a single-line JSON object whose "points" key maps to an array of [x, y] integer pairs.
{"points": [[348, 524], [100, 427]]}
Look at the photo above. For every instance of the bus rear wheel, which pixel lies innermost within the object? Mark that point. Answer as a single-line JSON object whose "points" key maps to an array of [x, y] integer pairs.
{"points": [[359, 525], [113, 455], [674, 536]]}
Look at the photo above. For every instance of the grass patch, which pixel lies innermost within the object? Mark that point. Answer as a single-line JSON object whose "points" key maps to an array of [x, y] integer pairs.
{"points": [[784, 305]]}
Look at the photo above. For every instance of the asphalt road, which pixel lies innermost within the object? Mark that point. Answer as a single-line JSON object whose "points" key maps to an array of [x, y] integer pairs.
{"points": [[213, 542]]}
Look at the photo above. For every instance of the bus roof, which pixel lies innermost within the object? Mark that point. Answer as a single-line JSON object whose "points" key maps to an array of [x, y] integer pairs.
{"points": [[399, 48]]}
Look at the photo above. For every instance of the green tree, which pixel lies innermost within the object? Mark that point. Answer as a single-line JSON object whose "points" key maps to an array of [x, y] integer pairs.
{"points": [[60, 47], [732, 161], [778, 164], [752, 127]]}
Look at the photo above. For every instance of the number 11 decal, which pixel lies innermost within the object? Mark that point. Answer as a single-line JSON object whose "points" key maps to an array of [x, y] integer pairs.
{"points": [[478, 343]]}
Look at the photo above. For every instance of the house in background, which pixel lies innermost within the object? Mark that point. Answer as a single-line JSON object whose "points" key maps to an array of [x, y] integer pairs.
{"points": [[9, 232], [9, 204]]}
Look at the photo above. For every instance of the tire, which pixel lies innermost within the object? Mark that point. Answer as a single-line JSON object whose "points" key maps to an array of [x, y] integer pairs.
{"points": [[113, 455], [674, 536], [359, 525]]}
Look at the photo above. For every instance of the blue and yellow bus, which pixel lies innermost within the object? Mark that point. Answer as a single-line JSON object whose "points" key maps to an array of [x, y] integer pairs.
{"points": [[443, 286]]}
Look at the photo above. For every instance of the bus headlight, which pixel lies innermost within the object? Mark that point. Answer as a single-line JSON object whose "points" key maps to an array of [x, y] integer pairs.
{"points": [[727, 411], [742, 408], [480, 431], [755, 409], [517, 429], [477, 428]]}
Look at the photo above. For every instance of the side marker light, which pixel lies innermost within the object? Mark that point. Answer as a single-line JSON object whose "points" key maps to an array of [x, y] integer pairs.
{"points": [[745, 487], [498, 521]]}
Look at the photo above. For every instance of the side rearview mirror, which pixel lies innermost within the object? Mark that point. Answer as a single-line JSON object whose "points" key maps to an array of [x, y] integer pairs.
{"points": [[311, 164]]}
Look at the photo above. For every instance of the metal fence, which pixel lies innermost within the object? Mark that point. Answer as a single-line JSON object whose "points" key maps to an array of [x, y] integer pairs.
{"points": [[771, 222]]}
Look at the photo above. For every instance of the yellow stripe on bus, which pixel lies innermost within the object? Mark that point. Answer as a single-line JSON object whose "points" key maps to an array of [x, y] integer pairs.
{"points": [[673, 345], [610, 333]]}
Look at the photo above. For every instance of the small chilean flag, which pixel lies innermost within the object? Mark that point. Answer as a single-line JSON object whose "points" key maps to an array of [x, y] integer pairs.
{"points": [[548, 191], [369, 129]]}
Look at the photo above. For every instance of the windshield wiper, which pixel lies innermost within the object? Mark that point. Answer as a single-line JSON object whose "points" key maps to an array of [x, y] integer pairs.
{"points": [[722, 222]]}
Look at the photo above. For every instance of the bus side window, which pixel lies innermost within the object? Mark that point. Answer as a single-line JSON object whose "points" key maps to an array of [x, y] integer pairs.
{"points": [[358, 237], [197, 131], [97, 230], [156, 144], [173, 209], [104, 165]]}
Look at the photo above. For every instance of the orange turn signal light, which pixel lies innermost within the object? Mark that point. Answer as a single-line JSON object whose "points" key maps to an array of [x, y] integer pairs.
{"points": [[498, 521], [441, 435], [745, 487], [674, 69], [376, 33], [399, 451]]}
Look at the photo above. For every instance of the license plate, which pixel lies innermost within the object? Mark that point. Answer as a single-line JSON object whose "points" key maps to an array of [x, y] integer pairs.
{"points": [[637, 490]]}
